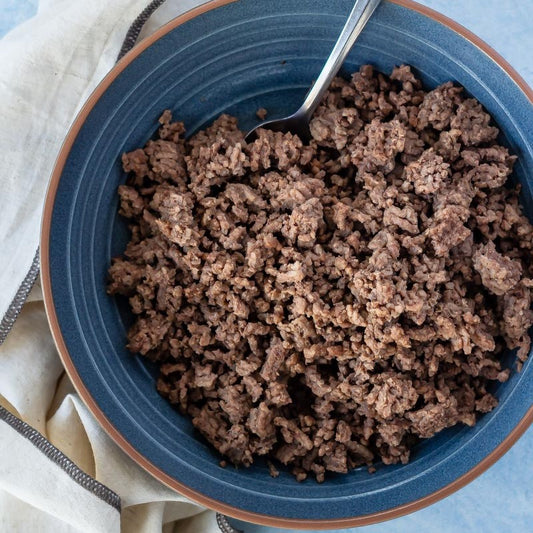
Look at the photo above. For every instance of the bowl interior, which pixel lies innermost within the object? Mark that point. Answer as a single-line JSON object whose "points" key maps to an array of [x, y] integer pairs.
{"points": [[235, 59]]}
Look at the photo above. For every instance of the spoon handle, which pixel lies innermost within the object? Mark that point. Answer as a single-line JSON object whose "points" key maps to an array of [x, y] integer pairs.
{"points": [[361, 12]]}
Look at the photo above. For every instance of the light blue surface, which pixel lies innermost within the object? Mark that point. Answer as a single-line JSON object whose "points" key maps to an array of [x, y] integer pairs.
{"points": [[500, 500], [13, 12]]}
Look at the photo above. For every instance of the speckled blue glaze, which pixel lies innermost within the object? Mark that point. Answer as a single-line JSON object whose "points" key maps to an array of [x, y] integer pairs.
{"points": [[240, 57]]}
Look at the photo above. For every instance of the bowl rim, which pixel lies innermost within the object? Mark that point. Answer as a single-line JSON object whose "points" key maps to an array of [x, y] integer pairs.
{"points": [[85, 395]]}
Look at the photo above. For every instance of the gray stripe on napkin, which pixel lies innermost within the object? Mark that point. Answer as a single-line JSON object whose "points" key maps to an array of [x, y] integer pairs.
{"points": [[21, 296], [225, 526], [137, 26], [74, 472]]}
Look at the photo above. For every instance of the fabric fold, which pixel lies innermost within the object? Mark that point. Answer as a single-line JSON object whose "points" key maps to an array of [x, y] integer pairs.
{"points": [[56, 488]]}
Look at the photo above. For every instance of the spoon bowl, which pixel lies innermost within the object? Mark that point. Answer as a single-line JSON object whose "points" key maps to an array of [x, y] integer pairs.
{"points": [[298, 123]]}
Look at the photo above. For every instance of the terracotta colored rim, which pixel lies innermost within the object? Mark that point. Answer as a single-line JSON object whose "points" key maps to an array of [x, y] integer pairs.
{"points": [[195, 496]]}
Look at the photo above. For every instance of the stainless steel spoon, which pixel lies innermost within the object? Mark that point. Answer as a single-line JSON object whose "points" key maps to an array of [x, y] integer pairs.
{"points": [[298, 123]]}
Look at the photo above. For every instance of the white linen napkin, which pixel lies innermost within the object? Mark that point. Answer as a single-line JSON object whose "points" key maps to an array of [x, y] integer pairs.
{"points": [[50, 64]]}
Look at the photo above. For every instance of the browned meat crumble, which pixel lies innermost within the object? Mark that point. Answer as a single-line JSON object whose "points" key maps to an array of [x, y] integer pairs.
{"points": [[261, 113], [328, 305]]}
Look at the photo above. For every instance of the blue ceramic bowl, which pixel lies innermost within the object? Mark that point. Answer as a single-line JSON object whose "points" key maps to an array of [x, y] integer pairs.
{"points": [[235, 58]]}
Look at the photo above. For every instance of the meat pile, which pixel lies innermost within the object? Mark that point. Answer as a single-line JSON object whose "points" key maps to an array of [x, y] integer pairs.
{"points": [[328, 305]]}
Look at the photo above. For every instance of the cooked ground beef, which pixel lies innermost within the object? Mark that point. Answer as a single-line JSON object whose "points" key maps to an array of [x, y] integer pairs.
{"points": [[327, 305], [261, 113]]}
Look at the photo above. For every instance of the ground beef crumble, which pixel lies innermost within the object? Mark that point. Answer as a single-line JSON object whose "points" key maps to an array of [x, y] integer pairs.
{"points": [[327, 305]]}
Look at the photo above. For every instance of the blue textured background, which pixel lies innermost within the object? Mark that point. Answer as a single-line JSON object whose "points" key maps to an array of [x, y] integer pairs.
{"points": [[502, 498]]}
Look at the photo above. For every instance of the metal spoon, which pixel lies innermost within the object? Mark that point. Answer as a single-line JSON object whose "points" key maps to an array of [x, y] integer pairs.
{"points": [[298, 123]]}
